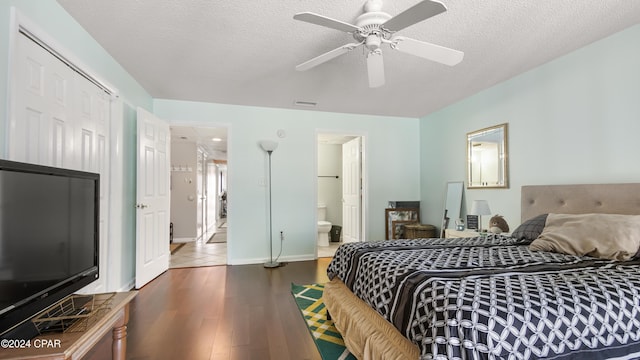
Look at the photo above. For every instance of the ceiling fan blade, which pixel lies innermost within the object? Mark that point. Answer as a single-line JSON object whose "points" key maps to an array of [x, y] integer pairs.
{"points": [[325, 21], [375, 68], [327, 56], [421, 11], [427, 51]]}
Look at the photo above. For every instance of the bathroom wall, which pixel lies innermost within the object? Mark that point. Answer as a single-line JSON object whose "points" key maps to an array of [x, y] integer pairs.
{"points": [[330, 188]]}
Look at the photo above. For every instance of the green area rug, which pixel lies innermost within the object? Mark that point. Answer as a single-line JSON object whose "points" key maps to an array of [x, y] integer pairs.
{"points": [[327, 338]]}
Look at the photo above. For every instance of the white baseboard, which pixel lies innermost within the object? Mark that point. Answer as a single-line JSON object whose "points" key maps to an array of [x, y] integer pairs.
{"points": [[293, 258], [128, 287], [183, 240]]}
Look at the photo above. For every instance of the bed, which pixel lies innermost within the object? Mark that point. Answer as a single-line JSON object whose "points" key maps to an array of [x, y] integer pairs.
{"points": [[498, 297]]}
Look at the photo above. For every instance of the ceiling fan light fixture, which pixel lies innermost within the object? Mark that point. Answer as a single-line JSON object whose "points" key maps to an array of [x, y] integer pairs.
{"points": [[373, 42]]}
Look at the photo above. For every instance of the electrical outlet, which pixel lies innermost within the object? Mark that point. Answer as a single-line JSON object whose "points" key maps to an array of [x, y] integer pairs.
{"points": [[281, 235]]}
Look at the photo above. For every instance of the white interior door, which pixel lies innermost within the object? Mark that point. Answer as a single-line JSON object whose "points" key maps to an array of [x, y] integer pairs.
{"points": [[153, 198], [200, 229], [352, 190], [211, 196]]}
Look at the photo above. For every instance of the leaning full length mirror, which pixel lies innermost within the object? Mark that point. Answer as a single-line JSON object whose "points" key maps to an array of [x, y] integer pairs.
{"points": [[487, 158], [452, 204]]}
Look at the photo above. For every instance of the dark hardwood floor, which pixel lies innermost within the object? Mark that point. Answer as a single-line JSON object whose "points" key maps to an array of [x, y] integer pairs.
{"points": [[223, 312]]}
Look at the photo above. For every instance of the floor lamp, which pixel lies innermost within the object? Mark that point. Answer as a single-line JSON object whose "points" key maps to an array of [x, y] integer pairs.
{"points": [[269, 146]]}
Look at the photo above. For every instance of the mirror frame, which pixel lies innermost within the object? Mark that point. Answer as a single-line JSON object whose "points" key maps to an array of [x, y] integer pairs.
{"points": [[503, 163], [452, 203]]}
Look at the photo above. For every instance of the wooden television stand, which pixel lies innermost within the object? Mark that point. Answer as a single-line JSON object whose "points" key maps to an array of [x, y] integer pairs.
{"points": [[75, 345]]}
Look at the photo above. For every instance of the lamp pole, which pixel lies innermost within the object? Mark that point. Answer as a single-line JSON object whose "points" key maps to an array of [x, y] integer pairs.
{"points": [[269, 147]]}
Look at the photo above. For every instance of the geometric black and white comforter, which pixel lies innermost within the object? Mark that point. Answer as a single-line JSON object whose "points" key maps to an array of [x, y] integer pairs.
{"points": [[492, 298]]}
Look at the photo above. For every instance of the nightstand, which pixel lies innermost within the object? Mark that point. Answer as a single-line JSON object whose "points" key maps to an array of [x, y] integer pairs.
{"points": [[451, 233]]}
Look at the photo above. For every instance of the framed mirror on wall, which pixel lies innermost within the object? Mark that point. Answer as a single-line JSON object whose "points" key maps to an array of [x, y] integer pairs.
{"points": [[487, 155]]}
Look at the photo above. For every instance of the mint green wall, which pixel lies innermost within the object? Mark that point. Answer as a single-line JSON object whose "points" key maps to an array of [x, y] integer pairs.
{"points": [[51, 18], [392, 145], [392, 157], [573, 120]]}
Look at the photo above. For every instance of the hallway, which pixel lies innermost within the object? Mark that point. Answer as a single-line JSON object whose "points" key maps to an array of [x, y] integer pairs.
{"points": [[197, 253]]}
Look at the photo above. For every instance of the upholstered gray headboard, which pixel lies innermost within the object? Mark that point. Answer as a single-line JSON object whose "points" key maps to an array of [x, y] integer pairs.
{"points": [[580, 199]]}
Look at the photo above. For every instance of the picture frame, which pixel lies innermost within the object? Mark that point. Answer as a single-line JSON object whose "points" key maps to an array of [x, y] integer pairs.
{"points": [[472, 222], [397, 228], [408, 215]]}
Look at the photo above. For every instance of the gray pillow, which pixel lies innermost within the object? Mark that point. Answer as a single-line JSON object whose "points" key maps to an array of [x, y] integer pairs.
{"points": [[605, 236], [530, 229]]}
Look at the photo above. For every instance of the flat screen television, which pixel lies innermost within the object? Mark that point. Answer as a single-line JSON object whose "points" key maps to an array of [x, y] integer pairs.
{"points": [[48, 240]]}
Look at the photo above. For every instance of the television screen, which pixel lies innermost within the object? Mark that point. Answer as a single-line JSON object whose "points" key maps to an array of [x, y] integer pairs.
{"points": [[48, 236]]}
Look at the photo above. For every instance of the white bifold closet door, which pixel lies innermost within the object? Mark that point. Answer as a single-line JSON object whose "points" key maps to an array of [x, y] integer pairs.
{"points": [[60, 118]]}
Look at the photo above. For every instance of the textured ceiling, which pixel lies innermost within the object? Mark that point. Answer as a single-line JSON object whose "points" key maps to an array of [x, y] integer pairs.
{"points": [[244, 52]]}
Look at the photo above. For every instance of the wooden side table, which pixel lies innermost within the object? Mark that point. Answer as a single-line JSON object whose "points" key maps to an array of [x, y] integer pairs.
{"points": [[75, 345]]}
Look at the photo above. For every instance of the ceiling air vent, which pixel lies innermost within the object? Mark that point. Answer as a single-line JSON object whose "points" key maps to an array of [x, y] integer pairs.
{"points": [[305, 103]]}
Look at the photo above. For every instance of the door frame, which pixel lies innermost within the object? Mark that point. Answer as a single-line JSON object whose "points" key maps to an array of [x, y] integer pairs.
{"points": [[205, 162], [227, 126], [364, 213]]}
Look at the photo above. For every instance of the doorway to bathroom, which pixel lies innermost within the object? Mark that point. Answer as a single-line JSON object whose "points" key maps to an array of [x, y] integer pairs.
{"points": [[341, 180]]}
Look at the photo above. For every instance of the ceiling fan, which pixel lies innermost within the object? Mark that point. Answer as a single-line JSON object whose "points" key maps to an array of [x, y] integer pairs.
{"points": [[374, 28]]}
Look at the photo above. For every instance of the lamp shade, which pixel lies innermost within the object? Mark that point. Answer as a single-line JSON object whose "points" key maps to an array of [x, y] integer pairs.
{"points": [[268, 145], [480, 207]]}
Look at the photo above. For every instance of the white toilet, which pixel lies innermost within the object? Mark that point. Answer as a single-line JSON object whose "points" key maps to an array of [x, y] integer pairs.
{"points": [[323, 226]]}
